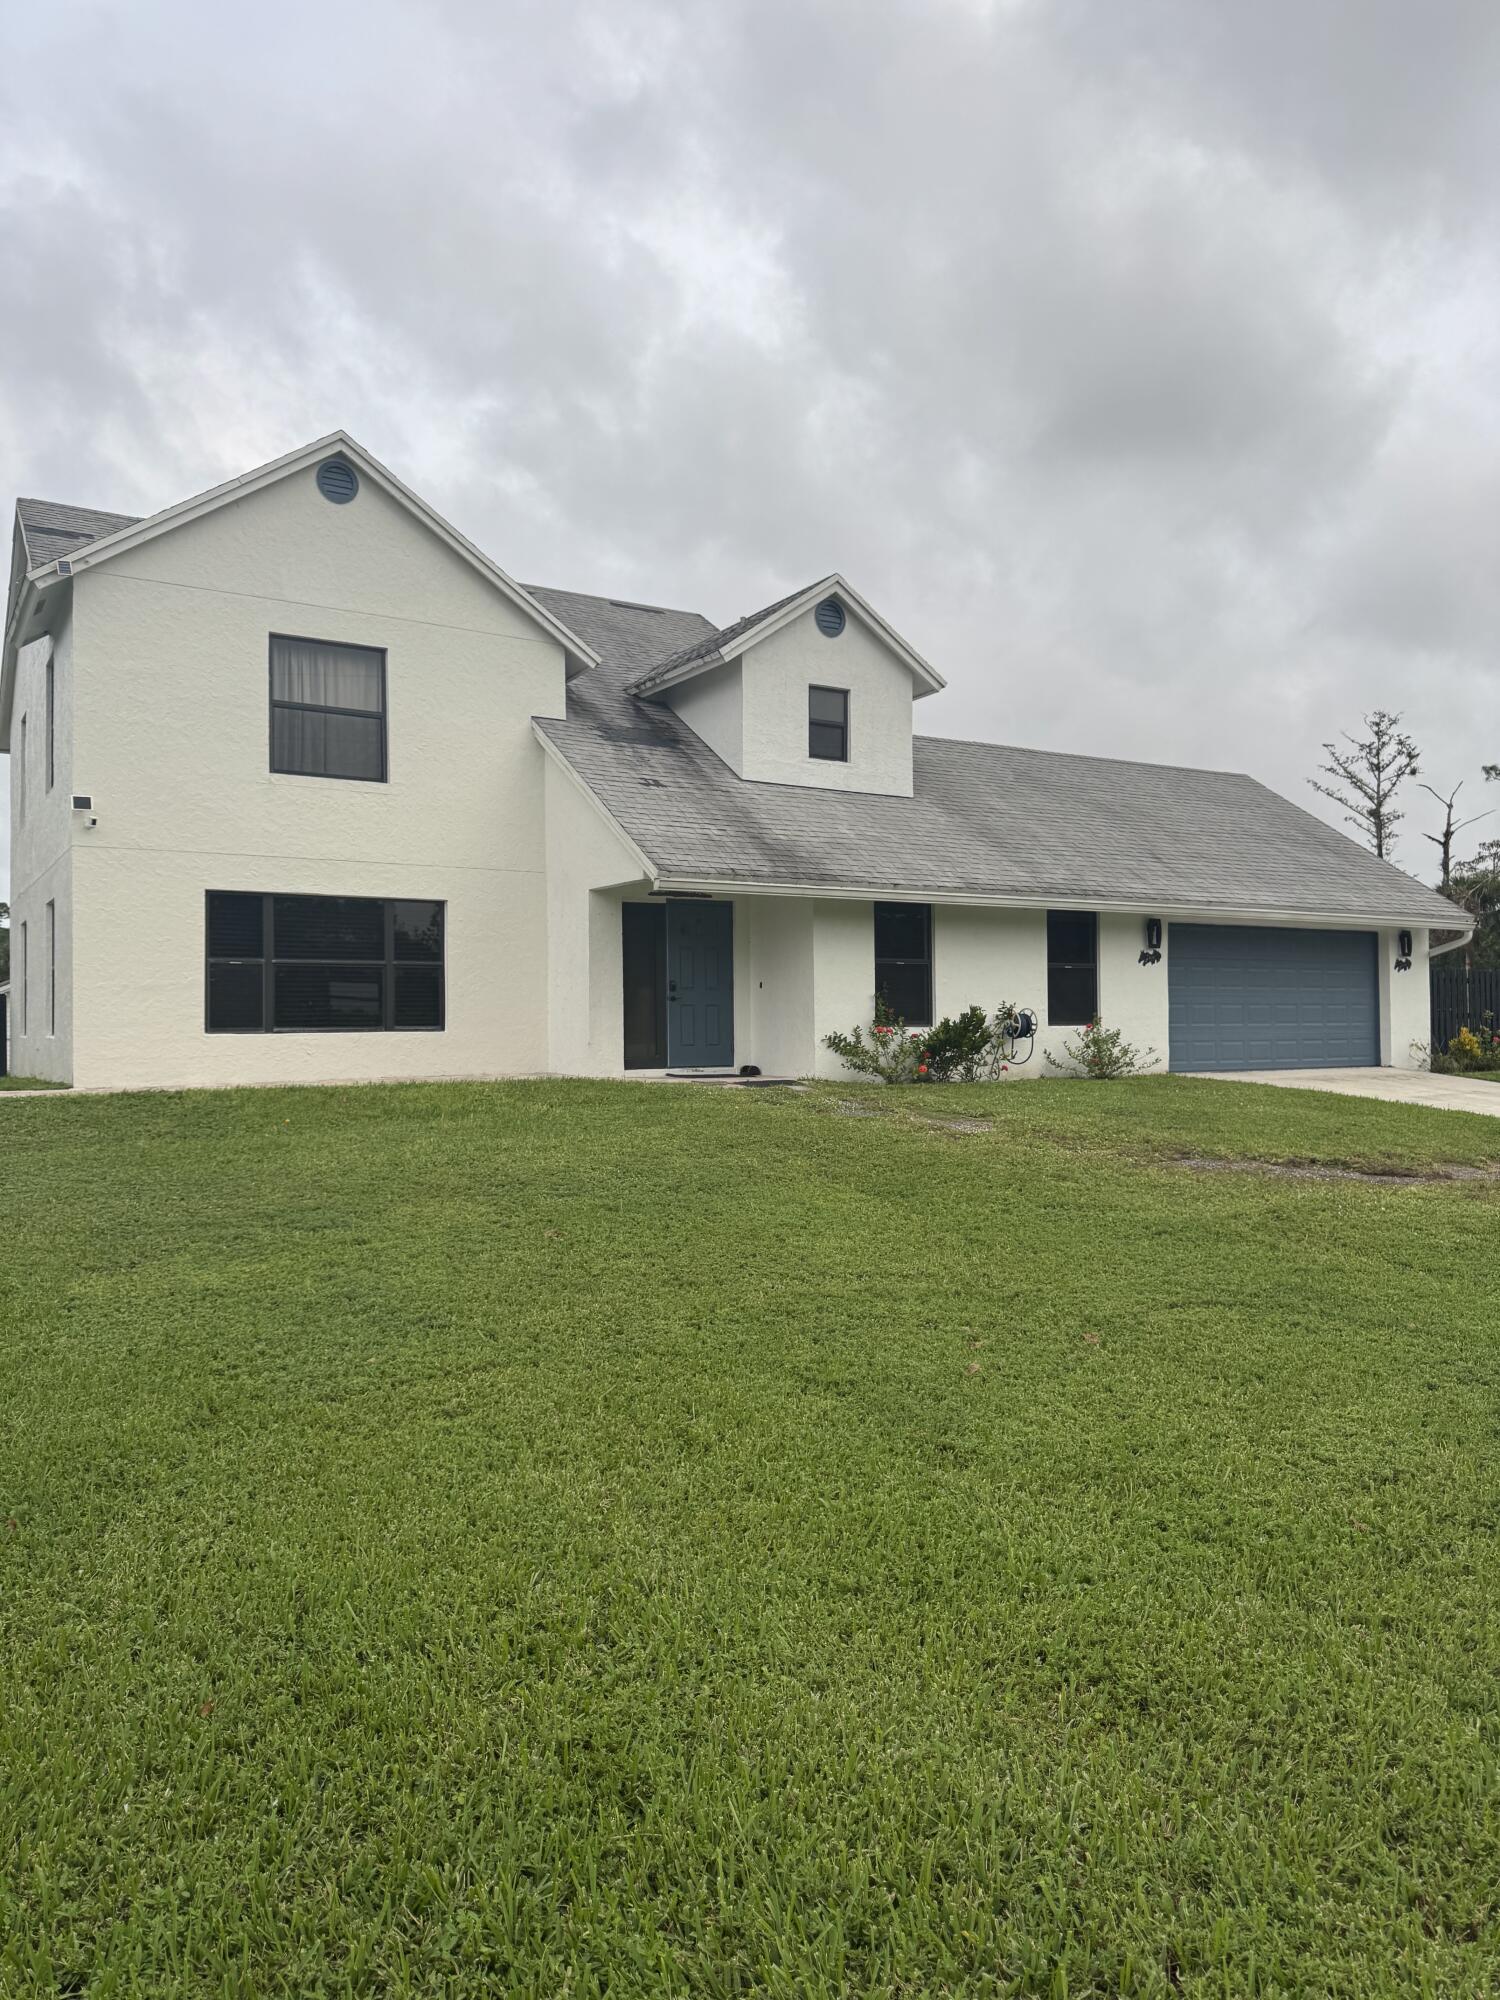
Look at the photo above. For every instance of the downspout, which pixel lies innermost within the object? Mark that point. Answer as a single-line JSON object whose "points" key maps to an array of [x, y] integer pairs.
{"points": [[1436, 951]]}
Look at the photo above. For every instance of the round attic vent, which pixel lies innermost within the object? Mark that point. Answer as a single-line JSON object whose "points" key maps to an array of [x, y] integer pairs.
{"points": [[830, 617], [337, 481]]}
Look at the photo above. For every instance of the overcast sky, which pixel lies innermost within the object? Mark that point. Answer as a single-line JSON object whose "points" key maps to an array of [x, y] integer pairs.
{"points": [[1140, 359]]}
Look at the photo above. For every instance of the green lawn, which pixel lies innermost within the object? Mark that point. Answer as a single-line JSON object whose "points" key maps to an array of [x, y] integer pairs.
{"points": [[29, 1083], [570, 1539]]}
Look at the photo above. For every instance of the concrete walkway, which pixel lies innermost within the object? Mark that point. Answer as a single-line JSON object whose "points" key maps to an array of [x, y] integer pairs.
{"points": [[1396, 1086]]}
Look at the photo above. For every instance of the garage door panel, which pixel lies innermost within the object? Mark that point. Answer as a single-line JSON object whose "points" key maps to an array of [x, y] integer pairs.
{"points": [[1244, 998]]}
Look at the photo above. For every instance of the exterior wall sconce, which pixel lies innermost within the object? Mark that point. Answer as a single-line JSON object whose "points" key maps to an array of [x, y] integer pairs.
{"points": [[1152, 954], [1403, 951]]}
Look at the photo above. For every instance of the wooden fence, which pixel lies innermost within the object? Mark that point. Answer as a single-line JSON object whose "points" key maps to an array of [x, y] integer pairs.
{"points": [[1461, 996]]}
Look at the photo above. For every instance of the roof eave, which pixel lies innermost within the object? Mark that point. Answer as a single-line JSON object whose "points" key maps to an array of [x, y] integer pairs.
{"points": [[1173, 911], [577, 653]]}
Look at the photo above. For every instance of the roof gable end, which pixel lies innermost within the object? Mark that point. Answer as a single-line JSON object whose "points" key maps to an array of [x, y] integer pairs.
{"points": [[732, 642], [337, 444]]}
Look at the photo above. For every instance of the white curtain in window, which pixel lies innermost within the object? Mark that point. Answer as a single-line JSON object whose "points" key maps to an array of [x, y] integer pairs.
{"points": [[330, 676]]}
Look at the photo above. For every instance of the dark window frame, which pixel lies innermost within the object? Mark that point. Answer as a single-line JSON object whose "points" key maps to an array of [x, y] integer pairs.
{"points": [[268, 961], [326, 708], [906, 960], [51, 720], [817, 722], [1063, 1016]]}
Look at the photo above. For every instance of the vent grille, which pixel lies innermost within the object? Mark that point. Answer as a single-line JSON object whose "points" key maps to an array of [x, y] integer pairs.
{"points": [[337, 481], [830, 617]]}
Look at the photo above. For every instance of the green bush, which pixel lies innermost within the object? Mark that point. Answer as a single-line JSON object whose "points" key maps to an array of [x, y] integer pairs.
{"points": [[959, 1050], [1471, 1051], [894, 1053], [966, 1048], [1103, 1054]]}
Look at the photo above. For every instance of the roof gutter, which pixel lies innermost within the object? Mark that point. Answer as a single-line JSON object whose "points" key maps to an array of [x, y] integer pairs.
{"points": [[1137, 906]]}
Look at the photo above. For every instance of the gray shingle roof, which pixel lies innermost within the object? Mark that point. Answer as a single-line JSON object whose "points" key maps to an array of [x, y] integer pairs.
{"points": [[631, 637], [709, 647], [987, 819], [52, 530]]}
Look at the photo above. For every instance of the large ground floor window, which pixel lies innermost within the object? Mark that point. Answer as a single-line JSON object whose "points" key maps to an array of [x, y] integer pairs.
{"points": [[314, 964]]}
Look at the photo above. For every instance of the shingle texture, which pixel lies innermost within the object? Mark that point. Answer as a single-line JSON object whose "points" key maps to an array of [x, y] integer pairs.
{"points": [[52, 530], [986, 819], [708, 648]]}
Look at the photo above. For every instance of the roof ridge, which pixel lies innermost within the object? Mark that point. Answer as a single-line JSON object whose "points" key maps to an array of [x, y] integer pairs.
{"points": [[1092, 757], [617, 603]]}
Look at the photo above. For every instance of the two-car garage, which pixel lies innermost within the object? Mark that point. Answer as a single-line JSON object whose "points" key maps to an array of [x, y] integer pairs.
{"points": [[1243, 997]]}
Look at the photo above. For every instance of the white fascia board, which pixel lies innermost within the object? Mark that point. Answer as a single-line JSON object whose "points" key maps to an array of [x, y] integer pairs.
{"points": [[642, 860], [340, 442], [1182, 913]]}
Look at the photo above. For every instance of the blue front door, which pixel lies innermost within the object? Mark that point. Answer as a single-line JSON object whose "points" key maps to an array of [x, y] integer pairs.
{"points": [[700, 985]]}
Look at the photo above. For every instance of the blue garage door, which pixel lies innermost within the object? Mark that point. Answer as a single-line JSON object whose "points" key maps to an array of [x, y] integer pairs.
{"points": [[1270, 999]]}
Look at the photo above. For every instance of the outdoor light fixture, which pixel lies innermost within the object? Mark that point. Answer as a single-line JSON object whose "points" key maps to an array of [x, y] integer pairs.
{"points": [[1152, 954], [1403, 951]]}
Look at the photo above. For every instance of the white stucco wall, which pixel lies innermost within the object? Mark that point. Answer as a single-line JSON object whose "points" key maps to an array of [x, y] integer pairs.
{"points": [[590, 873], [41, 1036], [1405, 1002], [754, 711], [712, 704], [777, 675], [171, 661]]}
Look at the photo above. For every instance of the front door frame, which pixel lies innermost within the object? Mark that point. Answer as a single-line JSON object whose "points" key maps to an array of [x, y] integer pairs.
{"points": [[681, 907]]}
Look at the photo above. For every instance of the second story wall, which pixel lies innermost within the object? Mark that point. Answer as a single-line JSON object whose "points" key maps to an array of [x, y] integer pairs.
{"points": [[755, 711], [172, 665], [778, 674], [41, 756]]}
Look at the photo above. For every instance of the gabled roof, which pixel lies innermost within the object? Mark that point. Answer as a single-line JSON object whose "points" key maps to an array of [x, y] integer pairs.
{"points": [[716, 648], [126, 533], [986, 823]]}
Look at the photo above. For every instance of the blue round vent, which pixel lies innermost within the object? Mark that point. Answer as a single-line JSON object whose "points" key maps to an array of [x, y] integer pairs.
{"points": [[830, 617], [337, 481]]}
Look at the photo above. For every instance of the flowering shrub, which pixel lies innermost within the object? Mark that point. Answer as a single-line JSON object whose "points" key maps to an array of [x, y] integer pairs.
{"points": [[1470, 1049], [894, 1053], [1101, 1053], [961, 1049]]}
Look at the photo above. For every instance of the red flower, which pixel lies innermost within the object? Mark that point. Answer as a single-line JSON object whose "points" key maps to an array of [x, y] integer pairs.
{"points": [[921, 1069]]}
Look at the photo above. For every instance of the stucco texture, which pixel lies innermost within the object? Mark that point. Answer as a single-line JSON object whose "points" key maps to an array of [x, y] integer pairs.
{"points": [[171, 657]]}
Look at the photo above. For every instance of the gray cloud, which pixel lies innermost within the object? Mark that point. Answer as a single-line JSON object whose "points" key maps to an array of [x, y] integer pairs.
{"points": [[1138, 362]]}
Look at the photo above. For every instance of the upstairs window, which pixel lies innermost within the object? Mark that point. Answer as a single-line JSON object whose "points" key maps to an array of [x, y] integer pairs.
{"points": [[51, 723], [828, 724], [327, 709], [1072, 968], [903, 961], [277, 964]]}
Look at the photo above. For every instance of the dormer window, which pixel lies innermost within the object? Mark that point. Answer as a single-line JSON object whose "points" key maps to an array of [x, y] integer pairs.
{"points": [[828, 724]]}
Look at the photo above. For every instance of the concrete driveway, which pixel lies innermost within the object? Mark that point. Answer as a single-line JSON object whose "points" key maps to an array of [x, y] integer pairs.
{"points": [[1396, 1086]]}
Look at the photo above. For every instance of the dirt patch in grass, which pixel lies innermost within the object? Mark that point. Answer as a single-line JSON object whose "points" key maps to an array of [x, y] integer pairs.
{"points": [[1314, 1170], [853, 1107]]}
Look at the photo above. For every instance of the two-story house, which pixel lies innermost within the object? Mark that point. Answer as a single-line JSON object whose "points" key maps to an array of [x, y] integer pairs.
{"points": [[304, 787]]}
